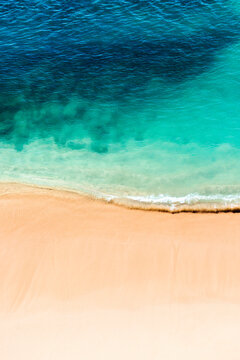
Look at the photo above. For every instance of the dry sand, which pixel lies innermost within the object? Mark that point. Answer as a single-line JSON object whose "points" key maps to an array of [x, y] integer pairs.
{"points": [[82, 279]]}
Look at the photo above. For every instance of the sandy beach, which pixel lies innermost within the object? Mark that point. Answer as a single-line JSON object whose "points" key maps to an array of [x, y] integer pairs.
{"points": [[83, 279]]}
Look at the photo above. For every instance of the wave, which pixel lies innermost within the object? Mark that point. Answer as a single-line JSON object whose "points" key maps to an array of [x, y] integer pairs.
{"points": [[195, 203], [174, 204]]}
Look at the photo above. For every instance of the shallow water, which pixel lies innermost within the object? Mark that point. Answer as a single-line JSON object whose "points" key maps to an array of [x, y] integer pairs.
{"points": [[131, 99]]}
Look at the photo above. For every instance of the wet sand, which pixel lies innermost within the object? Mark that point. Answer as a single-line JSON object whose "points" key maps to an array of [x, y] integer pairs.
{"points": [[80, 278]]}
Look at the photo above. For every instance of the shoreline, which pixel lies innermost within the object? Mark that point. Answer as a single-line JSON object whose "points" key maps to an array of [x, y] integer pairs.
{"points": [[128, 203]]}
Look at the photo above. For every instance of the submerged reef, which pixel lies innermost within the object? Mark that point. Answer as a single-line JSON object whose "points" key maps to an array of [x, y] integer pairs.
{"points": [[62, 59]]}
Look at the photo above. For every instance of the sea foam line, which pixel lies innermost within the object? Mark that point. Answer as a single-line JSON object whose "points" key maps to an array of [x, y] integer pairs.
{"points": [[193, 202]]}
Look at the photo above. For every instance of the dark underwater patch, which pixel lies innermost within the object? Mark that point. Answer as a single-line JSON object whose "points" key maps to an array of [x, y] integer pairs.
{"points": [[54, 50], [35, 38], [95, 68]]}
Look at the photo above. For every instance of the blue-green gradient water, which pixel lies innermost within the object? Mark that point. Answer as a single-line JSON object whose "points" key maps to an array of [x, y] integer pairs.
{"points": [[124, 99]]}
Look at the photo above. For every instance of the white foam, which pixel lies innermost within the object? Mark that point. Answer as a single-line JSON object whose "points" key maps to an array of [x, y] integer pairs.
{"points": [[174, 202], [187, 199]]}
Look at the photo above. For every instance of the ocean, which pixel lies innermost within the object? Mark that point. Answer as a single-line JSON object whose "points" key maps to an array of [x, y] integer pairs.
{"points": [[133, 101]]}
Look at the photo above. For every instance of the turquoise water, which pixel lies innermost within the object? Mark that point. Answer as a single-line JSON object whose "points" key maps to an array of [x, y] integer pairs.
{"points": [[129, 100]]}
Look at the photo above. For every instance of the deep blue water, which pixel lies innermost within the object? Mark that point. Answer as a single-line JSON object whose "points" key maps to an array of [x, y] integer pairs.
{"points": [[131, 99]]}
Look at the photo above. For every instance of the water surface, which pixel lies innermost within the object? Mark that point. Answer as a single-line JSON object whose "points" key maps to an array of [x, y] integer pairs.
{"points": [[131, 99]]}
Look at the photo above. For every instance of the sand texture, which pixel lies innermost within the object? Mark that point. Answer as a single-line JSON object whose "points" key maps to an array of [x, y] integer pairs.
{"points": [[82, 279]]}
